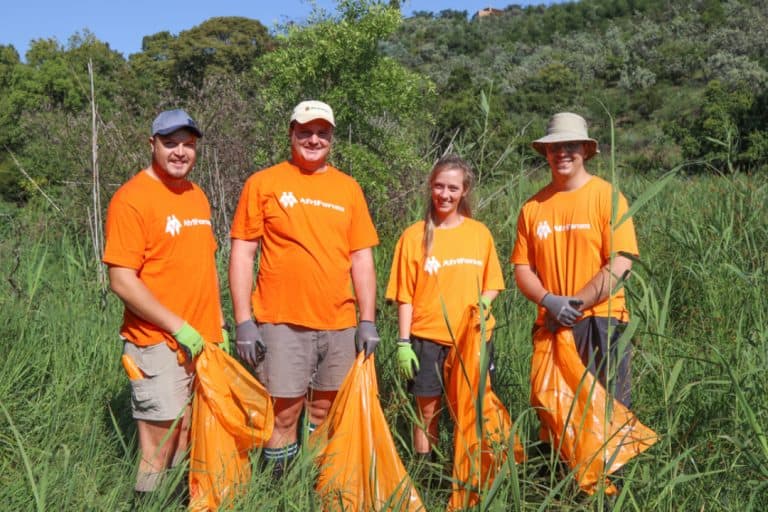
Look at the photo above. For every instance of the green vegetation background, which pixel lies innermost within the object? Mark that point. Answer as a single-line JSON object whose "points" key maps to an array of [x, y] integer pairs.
{"points": [[675, 91]]}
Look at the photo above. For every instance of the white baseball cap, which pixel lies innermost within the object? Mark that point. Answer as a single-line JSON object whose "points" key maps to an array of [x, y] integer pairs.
{"points": [[310, 110]]}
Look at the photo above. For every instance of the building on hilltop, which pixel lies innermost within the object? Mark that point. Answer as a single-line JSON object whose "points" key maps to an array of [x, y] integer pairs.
{"points": [[488, 11]]}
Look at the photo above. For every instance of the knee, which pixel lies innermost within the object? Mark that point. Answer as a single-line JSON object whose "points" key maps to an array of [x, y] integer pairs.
{"points": [[286, 419]]}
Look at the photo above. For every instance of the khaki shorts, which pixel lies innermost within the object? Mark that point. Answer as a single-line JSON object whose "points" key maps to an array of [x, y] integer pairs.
{"points": [[298, 358], [164, 391]]}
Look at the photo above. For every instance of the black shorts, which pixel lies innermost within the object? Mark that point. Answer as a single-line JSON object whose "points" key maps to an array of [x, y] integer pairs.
{"points": [[591, 336], [428, 381]]}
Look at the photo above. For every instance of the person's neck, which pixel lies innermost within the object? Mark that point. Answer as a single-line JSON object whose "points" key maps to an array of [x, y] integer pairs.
{"points": [[451, 221], [571, 182], [162, 177], [310, 167]]}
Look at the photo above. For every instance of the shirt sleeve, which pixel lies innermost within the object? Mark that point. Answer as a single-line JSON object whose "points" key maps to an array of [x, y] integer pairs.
{"points": [[520, 251], [125, 240], [248, 221], [621, 238], [402, 276], [362, 233]]}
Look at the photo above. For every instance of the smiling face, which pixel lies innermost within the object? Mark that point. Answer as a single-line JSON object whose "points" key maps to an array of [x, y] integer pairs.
{"points": [[310, 144], [566, 160], [448, 190], [173, 155]]}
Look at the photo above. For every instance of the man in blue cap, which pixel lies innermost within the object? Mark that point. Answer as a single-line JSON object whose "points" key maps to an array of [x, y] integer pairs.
{"points": [[160, 248]]}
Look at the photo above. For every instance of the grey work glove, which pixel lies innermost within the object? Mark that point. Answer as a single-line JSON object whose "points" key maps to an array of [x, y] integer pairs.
{"points": [[250, 348], [366, 337], [562, 308]]}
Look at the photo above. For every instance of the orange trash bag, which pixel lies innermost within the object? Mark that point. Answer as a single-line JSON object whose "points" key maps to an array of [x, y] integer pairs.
{"points": [[571, 405], [231, 414], [360, 469], [475, 461]]}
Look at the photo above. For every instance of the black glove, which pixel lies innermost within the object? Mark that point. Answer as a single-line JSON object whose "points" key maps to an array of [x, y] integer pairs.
{"points": [[250, 348], [366, 337], [563, 309]]}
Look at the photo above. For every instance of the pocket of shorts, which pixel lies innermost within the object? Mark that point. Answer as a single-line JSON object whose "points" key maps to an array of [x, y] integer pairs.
{"points": [[155, 359], [142, 393]]}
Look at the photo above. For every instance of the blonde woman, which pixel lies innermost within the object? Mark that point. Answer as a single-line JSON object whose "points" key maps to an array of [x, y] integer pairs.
{"points": [[441, 265]]}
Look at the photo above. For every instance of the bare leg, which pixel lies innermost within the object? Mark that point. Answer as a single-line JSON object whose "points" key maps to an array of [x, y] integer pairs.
{"points": [[160, 448], [287, 412], [425, 432], [318, 405]]}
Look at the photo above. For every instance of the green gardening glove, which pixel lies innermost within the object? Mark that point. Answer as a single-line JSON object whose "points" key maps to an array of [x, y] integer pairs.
{"points": [[406, 358], [224, 345], [189, 340]]}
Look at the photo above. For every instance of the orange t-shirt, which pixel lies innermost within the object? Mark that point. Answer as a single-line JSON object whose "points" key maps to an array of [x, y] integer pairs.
{"points": [[166, 236], [463, 263], [309, 224], [566, 238]]}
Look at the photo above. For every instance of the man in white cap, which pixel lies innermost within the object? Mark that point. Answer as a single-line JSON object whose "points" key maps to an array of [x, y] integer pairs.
{"points": [[160, 248], [299, 328], [568, 256]]}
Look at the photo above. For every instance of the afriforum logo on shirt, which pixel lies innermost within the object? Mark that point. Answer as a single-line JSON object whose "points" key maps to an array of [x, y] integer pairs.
{"points": [[543, 230], [432, 265], [288, 200], [173, 225]]}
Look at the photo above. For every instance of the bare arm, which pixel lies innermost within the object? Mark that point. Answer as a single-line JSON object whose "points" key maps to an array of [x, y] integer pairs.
{"points": [[490, 294], [529, 283], [125, 283], [599, 287], [242, 256], [404, 319], [364, 282]]}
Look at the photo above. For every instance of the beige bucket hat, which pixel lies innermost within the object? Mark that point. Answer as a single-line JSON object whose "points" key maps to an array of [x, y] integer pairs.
{"points": [[567, 127]]}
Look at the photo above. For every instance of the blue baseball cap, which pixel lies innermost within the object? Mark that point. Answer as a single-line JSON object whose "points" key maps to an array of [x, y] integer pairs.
{"points": [[171, 120]]}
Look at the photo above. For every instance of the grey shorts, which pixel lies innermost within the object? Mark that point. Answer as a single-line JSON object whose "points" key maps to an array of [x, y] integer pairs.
{"points": [[165, 390], [298, 358], [428, 381]]}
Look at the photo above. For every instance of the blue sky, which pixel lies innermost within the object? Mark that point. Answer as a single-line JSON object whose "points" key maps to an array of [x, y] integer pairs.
{"points": [[124, 23]]}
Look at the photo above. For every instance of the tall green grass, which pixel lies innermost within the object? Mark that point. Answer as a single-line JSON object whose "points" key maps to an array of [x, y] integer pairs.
{"points": [[67, 441]]}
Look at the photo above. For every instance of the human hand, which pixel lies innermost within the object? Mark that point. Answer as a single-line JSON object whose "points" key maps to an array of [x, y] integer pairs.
{"points": [[407, 360], [562, 308], [250, 347], [366, 337], [189, 341]]}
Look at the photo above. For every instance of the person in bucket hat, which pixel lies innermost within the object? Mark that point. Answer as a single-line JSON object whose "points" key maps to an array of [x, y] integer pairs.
{"points": [[160, 249], [568, 257], [300, 327]]}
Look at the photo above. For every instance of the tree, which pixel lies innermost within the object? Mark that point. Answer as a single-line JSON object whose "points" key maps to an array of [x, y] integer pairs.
{"points": [[219, 45]]}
